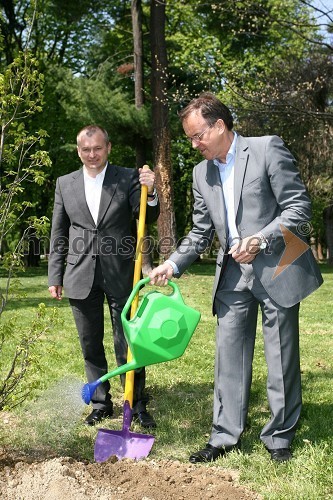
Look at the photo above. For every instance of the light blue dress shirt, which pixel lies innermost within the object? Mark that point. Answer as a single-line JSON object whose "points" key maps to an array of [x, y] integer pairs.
{"points": [[227, 180], [227, 176]]}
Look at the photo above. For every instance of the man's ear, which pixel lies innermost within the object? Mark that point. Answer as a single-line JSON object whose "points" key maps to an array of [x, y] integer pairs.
{"points": [[220, 124]]}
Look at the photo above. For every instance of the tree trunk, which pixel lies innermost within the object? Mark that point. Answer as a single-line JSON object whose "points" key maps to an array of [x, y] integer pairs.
{"points": [[166, 224], [320, 252], [328, 220], [136, 11], [313, 245]]}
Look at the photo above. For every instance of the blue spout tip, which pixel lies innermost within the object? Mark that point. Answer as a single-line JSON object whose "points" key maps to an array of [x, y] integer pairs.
{"points": [[88, 391], [86, 394]]}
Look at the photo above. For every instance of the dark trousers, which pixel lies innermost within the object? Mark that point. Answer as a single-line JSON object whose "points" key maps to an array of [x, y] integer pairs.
{"points": [[89, 318]]}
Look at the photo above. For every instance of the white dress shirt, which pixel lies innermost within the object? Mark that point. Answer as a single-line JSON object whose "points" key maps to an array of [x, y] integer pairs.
{"points": [[227, 176], [93, 191]]}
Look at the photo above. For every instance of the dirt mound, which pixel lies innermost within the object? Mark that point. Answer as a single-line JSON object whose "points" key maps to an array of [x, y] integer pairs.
{"points": [[65, 479]]}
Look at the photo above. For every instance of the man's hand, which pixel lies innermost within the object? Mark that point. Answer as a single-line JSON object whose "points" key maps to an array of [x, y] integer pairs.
{"points": [[56, 291], [147, 178], [161, 274], [245, 251]]}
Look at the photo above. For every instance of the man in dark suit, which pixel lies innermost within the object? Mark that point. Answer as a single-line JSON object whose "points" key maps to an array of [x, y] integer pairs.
{"points": [[249, 193], [92, 256]]}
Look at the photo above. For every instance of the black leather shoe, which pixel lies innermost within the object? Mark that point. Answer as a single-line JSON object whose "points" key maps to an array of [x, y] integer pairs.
{"points": [[97, 415], [210, 453], [280, 454], [145, 419]]}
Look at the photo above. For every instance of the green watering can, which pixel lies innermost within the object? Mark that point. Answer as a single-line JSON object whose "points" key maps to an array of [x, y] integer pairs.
{"points": [[159, 331]]}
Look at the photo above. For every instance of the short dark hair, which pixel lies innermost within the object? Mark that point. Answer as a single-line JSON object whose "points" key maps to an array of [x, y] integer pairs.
{"points": [[90, 130], [211, 108]]}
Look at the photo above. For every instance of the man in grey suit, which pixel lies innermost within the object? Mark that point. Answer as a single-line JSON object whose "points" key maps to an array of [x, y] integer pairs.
{"points": [[249, 193], [92, 256]]}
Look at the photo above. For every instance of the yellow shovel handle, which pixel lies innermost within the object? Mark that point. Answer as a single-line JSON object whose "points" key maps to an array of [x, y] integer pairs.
{"points": [[129, 384]]}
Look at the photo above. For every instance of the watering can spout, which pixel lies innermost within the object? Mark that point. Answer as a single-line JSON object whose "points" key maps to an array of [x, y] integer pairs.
{"points": [[89, 388]]}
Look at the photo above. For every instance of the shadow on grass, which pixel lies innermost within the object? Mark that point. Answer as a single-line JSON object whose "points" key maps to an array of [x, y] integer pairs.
{"points": [[31, 303], [316, 423], [325, 268], [202, 267], [183, 413], [28, 272]]}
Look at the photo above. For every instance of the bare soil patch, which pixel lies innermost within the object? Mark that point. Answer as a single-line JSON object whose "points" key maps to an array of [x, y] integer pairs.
{"points": [[64, 478]]}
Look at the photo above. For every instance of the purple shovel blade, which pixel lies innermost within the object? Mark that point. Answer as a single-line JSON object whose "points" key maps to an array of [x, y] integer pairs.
{"points": [[124, 443]]}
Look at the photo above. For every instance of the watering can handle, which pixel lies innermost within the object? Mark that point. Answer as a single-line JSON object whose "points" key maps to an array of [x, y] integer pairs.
{"points": [[176, 294]]}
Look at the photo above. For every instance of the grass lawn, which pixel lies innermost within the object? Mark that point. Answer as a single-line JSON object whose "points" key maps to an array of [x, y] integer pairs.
{"points": [[49, 423]]}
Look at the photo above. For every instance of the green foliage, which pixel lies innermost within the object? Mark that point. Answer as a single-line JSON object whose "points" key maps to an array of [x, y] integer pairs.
{"points": [[231, 44], [318, 205], [22, 356], [22, 164], [268, 62], [266, 59], [20, 90], [22, 161], [97, 102]]}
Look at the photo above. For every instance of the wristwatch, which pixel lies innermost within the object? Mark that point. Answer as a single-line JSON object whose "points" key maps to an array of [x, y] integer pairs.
{"points": [[262, 242], [153, 194]]}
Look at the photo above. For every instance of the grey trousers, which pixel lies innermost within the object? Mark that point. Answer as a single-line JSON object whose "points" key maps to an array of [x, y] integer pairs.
{"points": [[89, 319], [237, 300]]}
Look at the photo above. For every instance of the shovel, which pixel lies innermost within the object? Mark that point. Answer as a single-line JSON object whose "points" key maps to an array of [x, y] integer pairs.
{"points": [[124, 443]]}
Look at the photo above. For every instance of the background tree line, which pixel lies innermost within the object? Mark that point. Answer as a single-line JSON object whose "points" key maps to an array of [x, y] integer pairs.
{"points": [[131, 65]]}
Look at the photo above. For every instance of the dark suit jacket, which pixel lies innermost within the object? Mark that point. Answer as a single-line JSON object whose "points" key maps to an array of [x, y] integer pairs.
{"points": [[76, 239], [269, 198]]}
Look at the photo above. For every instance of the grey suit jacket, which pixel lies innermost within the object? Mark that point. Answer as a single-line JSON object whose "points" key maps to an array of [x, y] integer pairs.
{"points": [[269, 198], [76, 239]]}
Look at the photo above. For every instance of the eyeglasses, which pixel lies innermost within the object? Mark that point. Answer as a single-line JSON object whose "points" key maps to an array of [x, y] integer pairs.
{"points": [[197, 138]]}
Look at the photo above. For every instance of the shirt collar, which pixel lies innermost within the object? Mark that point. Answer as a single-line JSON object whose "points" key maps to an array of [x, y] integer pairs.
{"points": [[230, 155], [99, 177]]}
